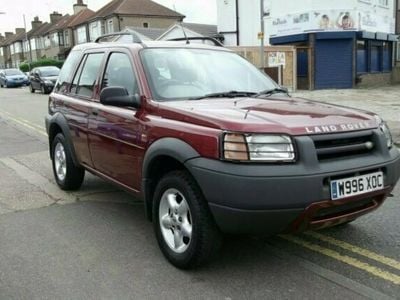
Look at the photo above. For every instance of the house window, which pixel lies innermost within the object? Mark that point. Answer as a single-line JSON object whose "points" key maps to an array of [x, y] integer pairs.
{"points": [[33, 44], [1, 51], [61, 38], [17, 48], [46, 42], [110, 27], [54, 39], [66, 38], [95, 31], [146, 25], [82, 38], [361, 57], [384, 3]]}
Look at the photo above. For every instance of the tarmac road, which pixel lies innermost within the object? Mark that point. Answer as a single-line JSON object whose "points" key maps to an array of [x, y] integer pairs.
{"points": [[96, 244]]}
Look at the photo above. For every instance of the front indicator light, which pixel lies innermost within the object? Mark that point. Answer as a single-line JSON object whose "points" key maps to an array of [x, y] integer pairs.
{"points": [[235, 147]]}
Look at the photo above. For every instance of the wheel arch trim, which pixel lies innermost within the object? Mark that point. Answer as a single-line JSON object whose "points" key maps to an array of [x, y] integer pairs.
{"points": [[59, 120], [170, 147]]}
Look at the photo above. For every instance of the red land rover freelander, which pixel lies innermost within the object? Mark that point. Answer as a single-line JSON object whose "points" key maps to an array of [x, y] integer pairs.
{"points": [[211, 144]]}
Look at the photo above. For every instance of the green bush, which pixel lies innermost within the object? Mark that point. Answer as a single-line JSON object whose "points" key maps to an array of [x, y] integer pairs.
{"points": [[24, 67]]}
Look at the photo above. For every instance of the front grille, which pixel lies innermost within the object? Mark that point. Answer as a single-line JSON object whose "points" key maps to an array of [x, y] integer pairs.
{"points": [[344, 144]]}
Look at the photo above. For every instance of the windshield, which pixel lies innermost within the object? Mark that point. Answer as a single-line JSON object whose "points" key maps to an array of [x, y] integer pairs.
{"points": [[13, 72], [48, 72], [193, 73]]}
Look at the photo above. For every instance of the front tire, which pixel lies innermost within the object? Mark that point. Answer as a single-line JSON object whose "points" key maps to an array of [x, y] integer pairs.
{"points": [[31, 88], [43, 89], [67, 175], [184, 227]]}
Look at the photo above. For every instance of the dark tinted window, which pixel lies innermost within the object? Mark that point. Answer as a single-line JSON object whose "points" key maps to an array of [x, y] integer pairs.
{"points": [[119, 72], [49, 71], [88, 76], [67, 70]]}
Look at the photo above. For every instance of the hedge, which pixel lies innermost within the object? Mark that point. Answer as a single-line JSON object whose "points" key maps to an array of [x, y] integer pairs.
{"points": [[24, 67]]}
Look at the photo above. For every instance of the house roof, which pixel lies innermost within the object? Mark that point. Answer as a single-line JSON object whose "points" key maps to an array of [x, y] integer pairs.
{"points": [[17, 38], [81, 17], [33, 31], [151, 33], [136, 7], [61, 24], [42, 29], [203, 29]]}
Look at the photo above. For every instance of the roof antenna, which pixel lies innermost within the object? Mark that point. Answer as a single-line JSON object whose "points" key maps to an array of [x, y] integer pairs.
{"points": [[184, 33]]}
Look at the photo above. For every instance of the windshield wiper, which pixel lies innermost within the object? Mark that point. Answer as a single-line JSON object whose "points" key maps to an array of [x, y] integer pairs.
{"points": [[271, 92], [230, 94]]}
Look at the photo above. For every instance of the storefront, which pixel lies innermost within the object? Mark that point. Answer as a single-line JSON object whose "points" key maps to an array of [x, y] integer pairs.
{"points": [[341, 59]]}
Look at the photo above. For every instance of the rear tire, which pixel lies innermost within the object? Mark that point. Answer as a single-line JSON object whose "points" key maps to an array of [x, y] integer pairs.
{"points": [[185, 229], [67, 175]]}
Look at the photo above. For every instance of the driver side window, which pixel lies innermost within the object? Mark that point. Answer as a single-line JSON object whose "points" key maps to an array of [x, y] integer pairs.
{"points": [[119, 72]]}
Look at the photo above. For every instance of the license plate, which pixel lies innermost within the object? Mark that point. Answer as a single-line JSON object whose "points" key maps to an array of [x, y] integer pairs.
{"points": [[357, 185]]}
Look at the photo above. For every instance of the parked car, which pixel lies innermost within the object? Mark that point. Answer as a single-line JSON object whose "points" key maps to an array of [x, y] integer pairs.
{"points": [[43, 79], [212, 145], [13, 78]]}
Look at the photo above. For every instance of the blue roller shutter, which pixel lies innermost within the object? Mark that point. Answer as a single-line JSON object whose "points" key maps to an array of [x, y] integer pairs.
{"points": [[334, 63]]}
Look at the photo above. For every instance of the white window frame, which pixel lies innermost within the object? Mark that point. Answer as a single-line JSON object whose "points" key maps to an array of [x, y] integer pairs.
{"points": [[33, 43], [81, 35], [66, 38], [110, 26]]}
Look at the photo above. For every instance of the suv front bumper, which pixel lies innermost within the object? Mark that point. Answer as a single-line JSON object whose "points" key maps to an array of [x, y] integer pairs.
{"points": [[269, 199]]}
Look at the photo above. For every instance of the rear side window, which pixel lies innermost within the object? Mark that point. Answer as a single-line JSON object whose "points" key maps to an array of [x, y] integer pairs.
{"points": [[64, 78], [119, 72], [87, 74]]}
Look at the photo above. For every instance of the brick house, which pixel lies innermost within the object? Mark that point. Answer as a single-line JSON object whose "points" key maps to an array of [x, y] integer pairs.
{"points": [[119, 14], [16, 47]]}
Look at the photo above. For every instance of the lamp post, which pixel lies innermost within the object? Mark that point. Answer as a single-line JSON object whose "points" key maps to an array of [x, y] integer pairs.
{"points": [[29, 45]]}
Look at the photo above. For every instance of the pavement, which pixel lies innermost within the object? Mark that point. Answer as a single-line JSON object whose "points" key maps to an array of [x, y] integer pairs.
{"points": [[95, 243]]}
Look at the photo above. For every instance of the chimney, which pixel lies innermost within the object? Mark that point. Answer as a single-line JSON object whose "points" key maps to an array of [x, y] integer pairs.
{"points": [[79, 6], [19, 30], [9, 34], [36, 23], [55, 17]]}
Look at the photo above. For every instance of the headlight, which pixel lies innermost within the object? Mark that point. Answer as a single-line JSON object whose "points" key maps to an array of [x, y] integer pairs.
{"points": [[258, 147], [386, 131]]}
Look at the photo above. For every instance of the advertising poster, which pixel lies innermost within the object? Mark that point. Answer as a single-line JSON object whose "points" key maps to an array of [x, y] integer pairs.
{"points": [[331, 20]]}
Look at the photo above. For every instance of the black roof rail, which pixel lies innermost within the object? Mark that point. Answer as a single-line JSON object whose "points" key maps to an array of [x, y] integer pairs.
{"points": [[199, 38], [117, 36]]}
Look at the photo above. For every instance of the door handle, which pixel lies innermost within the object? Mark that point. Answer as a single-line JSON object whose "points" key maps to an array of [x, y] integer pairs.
{"points": [[95, 112]]}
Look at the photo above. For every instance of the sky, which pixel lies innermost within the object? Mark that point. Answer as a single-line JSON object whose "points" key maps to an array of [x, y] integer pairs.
{"points": [[196, 11]]}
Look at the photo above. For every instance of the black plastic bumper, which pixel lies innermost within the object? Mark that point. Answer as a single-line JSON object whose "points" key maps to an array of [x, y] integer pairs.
{"points": [[266, 199]]}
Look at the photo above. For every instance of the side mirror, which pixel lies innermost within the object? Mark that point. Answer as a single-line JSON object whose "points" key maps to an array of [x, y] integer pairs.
{"points": [[118, 96]]}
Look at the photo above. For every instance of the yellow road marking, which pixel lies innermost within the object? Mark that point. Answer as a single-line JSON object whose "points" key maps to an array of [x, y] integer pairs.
{"points": [[358, 250], [24, 123], [345, 259]]}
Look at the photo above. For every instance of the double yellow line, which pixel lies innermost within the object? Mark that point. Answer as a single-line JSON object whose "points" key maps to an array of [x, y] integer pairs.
{"points": [[376, 271], [38, 129]]}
